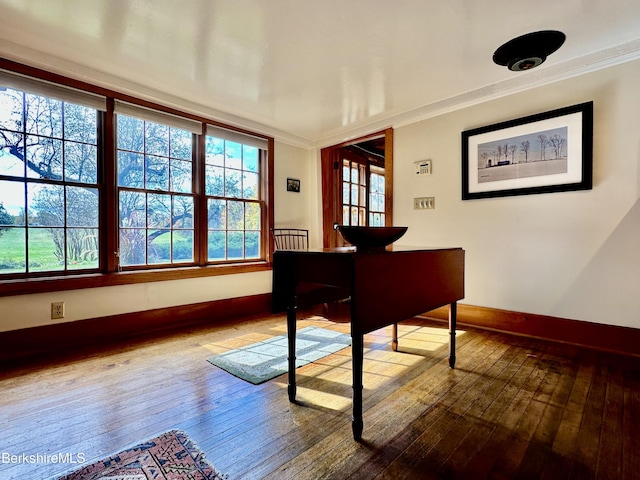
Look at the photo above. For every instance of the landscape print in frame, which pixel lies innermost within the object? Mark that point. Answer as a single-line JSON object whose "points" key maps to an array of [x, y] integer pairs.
{"points": [[542, 153]]}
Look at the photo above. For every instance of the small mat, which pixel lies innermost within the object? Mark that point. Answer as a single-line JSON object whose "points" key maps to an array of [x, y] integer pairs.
{"points": [[262, 361], [170, 456]]}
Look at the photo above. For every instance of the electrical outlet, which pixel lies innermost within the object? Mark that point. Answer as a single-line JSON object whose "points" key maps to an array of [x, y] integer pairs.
{"points": [[424, 203], [57, 310]]}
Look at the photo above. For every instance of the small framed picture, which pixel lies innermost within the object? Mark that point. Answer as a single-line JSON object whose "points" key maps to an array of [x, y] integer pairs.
{"points": [[293, 185], [543, 153]]}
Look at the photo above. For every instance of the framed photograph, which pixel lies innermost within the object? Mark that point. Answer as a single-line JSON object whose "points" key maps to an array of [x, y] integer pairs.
{"points": [[543, 153], [293, 185]]}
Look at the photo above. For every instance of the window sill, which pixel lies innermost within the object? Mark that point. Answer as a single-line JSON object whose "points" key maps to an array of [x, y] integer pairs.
{"points": [[75, 282]]}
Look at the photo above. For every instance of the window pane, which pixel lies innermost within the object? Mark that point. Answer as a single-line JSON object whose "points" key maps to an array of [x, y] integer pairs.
{"points": [[181, 176], [182, 246], [43, 115], [12, 203], [233, 154], [80, 123], [214, 185], [132, 246], [346, 217], [252, 245], [181, 144], [82, 207], [13, 250], [156, 139], [133, 209], [45, 205], [217, 245], [80, 162], [159, 246], [45, 157], [232, 186], [130, 173], [250, 185], [236, 215], [158, 211], [157, 173], [182, 212], [82, 248], [345, 193], [11, 154], [250, 158], [252, 216], [235, 248], [130, 133], [11, 114], [217, 214], [46, 249], [214, 151]]}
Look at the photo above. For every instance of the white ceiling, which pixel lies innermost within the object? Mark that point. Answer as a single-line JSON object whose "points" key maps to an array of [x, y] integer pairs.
{"points": [[312, 72]]}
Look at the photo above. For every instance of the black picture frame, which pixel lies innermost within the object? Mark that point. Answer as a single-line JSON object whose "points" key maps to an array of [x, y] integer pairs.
{"points": [[542, 153], [293, 185]]}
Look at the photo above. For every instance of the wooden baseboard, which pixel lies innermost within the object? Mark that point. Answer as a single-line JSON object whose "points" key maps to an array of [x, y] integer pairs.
{"points": [[610, 338], [36, 341], [30, 342]]}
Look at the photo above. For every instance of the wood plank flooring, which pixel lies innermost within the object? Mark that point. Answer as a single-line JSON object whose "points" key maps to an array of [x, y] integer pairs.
{"points": [[514, 408]]}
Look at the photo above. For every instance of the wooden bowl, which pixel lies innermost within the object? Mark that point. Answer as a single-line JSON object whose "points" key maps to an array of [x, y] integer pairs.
{"points": [[370, 239]]}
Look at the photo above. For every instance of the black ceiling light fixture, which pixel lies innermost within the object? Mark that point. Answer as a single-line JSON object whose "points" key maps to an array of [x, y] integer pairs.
{"points": [[528, 51]]}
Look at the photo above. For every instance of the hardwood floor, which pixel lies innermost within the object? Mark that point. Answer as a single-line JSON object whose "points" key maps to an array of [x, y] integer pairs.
{"points": [[514, 408]]}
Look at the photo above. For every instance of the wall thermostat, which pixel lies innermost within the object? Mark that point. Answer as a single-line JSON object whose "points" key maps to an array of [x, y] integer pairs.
{"points": [[423, 167]]}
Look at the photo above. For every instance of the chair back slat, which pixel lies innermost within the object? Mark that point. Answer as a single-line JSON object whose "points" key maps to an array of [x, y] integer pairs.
{"points": [[290, 238]]}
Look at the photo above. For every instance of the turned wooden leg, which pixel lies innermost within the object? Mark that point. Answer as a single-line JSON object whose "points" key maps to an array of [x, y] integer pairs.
{"points": [[291, 333], [394, 340], [357, 353], [453, 308]]}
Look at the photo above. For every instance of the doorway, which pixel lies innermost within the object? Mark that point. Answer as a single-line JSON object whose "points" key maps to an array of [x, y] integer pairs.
{"points": [[357, 184]]}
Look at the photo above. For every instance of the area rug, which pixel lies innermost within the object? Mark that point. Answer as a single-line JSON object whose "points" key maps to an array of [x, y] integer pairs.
{"points": [[170, 456], [262, 361]]}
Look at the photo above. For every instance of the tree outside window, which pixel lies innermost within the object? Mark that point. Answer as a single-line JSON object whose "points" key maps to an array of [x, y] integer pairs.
{"points": [[48, 184]]}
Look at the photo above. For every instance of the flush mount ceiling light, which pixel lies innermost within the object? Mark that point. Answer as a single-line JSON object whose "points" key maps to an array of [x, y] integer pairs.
{"points": [[528, 51]]}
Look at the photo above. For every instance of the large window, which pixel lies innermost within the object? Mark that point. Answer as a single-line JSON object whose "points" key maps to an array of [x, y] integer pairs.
{"points": [[49, 186], [155, 191], [232, 187], [176, 197]]}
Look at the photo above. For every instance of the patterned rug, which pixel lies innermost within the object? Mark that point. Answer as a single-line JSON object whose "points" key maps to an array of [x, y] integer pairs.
{"points": [[262, 361], [170, 456]]}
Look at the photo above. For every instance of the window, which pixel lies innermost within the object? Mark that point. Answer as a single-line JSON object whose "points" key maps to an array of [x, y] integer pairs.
{"points": [[154, 175], [49, 181], [363, 194], [175, 197], [232, 181]]}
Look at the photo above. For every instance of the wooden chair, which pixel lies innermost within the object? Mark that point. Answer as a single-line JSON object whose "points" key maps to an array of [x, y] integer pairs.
{"points": [[309, 294], [290, 238]]}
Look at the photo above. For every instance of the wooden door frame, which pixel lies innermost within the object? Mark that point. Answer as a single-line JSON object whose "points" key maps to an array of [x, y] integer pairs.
{"points": [[331, 178]]}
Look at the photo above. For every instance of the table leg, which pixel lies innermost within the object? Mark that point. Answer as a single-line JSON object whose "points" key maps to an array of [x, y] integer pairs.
{"points": [[394, 340], [291, 333], [357, 355], [453, 310]]}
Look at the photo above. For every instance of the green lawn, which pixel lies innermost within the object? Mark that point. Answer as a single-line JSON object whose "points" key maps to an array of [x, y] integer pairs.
{"points": [[42, 249]]}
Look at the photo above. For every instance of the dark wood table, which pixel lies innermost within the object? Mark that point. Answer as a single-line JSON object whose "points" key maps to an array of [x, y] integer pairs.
{"points": [[385, 288]]}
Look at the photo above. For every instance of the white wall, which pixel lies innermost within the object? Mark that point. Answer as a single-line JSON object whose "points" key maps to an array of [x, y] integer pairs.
{"points": [[23, 311], [572, 255]]}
